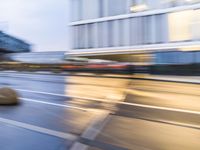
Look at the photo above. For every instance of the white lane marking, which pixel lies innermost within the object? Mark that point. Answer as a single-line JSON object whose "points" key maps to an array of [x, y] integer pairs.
{"points": [[20, 75], [61, 95], [161, 108], [98, 123], [63, 135], [38, 92], [124, 103], [61, 74], [31, 76], [79, 146], [53, 104], [193, 79]]}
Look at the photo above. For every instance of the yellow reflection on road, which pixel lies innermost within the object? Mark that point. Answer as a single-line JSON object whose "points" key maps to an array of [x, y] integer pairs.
{"points": [[97, 88]]}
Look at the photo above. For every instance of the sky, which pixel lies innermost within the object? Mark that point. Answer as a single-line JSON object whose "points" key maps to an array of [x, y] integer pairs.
{"points": [[43, 23]]}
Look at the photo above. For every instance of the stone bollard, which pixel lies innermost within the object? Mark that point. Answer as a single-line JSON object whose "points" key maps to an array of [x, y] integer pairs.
{"points": [[8, 96]]}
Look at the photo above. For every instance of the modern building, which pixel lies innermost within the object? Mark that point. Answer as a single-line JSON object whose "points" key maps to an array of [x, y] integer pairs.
{"points": [[135, 28], [10, 44]]}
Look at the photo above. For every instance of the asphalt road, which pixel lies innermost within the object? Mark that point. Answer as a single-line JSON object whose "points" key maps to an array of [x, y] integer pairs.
{"points": [[88, 112]]}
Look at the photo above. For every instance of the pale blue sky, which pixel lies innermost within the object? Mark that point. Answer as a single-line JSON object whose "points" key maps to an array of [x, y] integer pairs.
{"points": [[40, 22]]}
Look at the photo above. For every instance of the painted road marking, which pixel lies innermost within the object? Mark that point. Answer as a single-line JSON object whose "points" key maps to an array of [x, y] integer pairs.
{"points": [[93, 129], [20, 75], [38, 92], [114, 102], [107, 101], [161, 108], [61, 95], [62, 135], [53, 104]]}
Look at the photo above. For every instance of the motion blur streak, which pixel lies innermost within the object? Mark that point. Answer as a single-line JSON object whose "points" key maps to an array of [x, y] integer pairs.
{"points": [[142, 112]]}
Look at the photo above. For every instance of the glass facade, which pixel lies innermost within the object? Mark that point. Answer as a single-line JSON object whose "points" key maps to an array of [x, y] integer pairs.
{"points": [[147, 29], [90, 9], [122, 32], [76, 10], [11, 44], [102, 37], [101, 24], [180, 25], [177, 57], [116, 7]]}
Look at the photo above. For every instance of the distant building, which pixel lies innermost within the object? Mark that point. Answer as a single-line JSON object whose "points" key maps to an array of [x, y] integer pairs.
{"points": [[11, 44], [37, 57], [108, 27]]}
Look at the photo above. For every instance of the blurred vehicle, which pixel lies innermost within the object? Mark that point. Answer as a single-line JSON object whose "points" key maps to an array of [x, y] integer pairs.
{"points": [[57, 62]]}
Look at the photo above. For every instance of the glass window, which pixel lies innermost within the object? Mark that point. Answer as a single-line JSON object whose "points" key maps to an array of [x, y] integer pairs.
{"points": [[75, 34], [154, 4], [124, 34], [187, 57], [136, 31], [102, 8], [179, 25], [149, 29], [120, 37], [102, 34], [197, 57], [92, 36], [195, 24], [117, 7], [116, 33], [152, 30], [76, 10], [145, 29], [161, 28], [82, 36], [111, 33], [90, 9], [168, 57]]}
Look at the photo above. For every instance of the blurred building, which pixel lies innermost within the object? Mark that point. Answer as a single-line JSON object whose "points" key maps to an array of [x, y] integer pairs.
{"points": [[108, 27], [11, 44], [51, 57]]}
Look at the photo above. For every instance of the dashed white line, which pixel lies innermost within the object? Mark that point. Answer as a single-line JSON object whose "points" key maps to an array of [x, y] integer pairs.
{"points": [[161, 108], [116, 102], [38, 92], [62, 95], [53, 104], [59, 134]]}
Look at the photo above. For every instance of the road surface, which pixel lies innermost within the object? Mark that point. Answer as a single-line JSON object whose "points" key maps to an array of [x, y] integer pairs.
{"points": [[88, 112]]}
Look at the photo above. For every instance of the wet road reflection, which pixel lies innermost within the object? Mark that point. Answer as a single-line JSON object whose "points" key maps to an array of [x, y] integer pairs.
{"points": [[101, 113], [94, 92]]}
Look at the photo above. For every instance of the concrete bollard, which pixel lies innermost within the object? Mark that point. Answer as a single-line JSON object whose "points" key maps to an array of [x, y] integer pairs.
{"points": [[8, 96]]}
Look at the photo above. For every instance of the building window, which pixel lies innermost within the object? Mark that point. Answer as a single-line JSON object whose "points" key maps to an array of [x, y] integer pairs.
{"points": [[161, 28], [90, 9], [76, 10], [117, 7], [180, 25], [124, 32], [80, 37], [103, 34], [136, 31], [195, 24], [92, 36], [111, 33]]}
